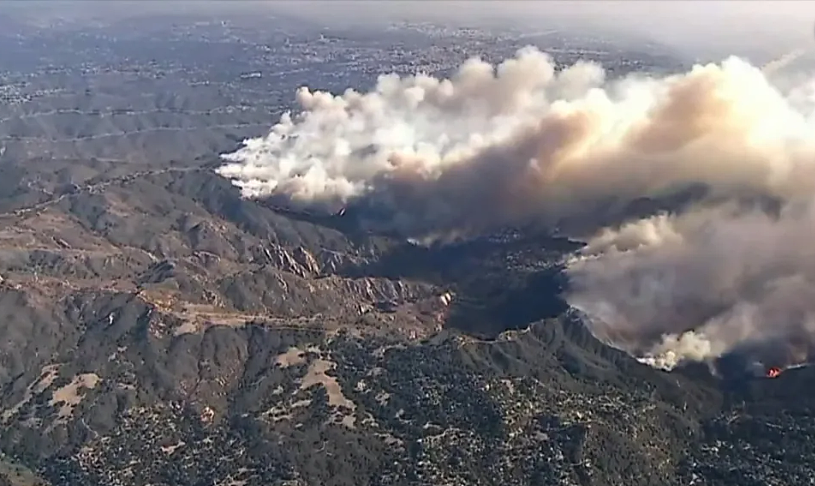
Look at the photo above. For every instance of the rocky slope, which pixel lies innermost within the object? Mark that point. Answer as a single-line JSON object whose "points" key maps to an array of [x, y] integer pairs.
{"points": [[158, 329]]}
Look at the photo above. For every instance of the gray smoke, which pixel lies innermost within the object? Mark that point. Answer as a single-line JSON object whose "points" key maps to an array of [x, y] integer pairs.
{"points": [[698, 285], [520, 142], [782, 62]]}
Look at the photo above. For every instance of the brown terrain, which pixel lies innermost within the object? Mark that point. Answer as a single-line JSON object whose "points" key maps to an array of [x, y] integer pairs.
{"points": [[156, 328]]}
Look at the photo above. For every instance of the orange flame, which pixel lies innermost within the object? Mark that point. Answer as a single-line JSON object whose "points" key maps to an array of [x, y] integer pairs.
{"points": [[773, 372]]}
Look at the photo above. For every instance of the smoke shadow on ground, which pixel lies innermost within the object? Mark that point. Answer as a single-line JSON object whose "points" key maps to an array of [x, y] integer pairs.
{"points": [[487, 307], [790, 389], [499, 283]]}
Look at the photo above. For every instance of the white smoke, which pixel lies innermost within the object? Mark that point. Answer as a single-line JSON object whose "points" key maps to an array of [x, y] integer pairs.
{"points": [[697, 285], [782, 62], [520, 142]]}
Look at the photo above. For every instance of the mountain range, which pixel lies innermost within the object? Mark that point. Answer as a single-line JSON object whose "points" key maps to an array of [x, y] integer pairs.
{"points": [[160, 329]]}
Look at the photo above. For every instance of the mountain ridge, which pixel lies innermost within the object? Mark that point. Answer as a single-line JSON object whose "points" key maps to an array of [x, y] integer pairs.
{"points": [[158, 328]]}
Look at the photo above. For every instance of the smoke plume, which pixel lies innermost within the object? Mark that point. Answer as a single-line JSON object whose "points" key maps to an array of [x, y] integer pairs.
{"points": [[782, 61], [699, 285], [524, 142]]}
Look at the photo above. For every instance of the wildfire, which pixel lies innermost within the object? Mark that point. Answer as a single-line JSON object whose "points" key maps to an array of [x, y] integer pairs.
{"points": [[773, 372]]}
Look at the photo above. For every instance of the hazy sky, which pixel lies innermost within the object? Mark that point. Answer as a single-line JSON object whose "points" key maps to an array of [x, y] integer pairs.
{"points": [[729, 23], [732, 25]]}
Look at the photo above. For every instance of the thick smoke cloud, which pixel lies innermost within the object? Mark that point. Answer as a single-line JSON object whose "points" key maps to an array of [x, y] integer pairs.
{"points": [[699, 285], [491, 146], [526, 143]]}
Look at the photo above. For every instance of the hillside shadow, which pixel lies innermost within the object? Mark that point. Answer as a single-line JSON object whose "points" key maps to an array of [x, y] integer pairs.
{"points": [[486, 307], [500, 283]]}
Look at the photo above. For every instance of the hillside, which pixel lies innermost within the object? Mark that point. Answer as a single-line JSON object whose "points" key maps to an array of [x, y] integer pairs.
{"points": [[160, 329]]}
